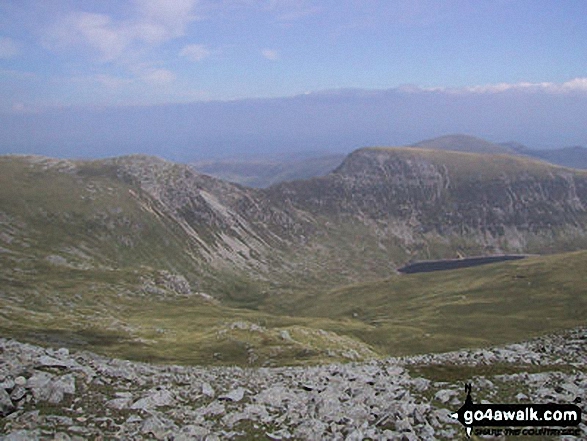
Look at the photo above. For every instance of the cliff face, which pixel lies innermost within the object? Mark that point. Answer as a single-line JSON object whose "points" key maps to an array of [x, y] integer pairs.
{"points": [[490, 199], [232, 227], [379, 209]]}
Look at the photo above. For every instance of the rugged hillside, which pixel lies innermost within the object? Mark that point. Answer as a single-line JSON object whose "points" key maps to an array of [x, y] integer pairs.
{"points": [[136, 225], [112, 214], [575, 157], [432, 203], [144, 258], [381, 208]]}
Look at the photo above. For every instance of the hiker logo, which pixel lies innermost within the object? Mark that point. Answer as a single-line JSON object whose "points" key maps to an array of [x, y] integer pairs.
{"points": [[473, 415]]}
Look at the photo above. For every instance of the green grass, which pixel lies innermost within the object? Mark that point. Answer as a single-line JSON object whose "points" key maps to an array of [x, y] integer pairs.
{"points": [[83, 255], [402, 315], [472, 307], [465, 165]]}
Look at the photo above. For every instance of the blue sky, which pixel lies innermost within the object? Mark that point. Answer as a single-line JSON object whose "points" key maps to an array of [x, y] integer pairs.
{"points": [[193, 78], [111, 52]]}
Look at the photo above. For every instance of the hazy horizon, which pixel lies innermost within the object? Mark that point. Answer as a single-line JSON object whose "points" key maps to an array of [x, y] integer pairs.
{"points": [[196, 79], [335, 122]]}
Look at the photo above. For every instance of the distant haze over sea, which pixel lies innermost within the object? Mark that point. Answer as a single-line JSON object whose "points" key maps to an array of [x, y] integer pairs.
{"points": [[330, 121]]}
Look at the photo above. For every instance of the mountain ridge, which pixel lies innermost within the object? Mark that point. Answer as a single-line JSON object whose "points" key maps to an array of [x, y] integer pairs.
{"points": [[463, 143], [409, 188], [263, 172], [109, 252]]}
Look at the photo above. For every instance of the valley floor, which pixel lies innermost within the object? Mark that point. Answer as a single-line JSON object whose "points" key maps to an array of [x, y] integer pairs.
{"points": [[58, 394]]}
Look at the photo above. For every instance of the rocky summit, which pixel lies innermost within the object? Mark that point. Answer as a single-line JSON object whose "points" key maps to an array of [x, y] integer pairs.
{"points": [[63, 395]]}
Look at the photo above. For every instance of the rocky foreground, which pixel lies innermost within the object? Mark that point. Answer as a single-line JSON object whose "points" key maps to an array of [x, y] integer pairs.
{"points": [[63, 395]]}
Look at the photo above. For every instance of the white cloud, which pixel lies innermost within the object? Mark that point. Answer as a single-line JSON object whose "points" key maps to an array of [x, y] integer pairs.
{"points": [[172, 16], [104, 83], [18, 75], [574, 85], [195, 52], [96, 31], [154, 22], [126, 42], [8, 47], [158, 77], [503, 87], [112, 82], [270, 54]]}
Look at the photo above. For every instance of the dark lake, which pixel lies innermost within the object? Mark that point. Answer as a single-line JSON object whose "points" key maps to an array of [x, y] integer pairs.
{"points": [[449, 264]]}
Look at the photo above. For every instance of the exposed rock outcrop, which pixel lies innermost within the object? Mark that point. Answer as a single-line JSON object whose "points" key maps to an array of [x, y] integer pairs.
{"points": [[54, 394]]}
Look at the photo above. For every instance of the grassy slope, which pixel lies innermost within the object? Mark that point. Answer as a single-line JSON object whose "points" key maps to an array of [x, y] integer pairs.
{"points": [[467, 165], [92, 214], [77, 258], [469, 307], [463, 143], [110, 311], [402, 315]]}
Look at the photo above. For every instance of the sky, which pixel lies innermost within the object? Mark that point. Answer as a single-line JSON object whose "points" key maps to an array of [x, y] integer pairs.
{"points": [[59, 55]]}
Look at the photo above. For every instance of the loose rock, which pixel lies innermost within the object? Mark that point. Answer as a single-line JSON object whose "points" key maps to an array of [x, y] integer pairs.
{"points": [[87, 396]]}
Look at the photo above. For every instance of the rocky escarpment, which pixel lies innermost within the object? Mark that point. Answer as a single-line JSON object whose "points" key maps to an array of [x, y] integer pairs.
{"points": [[55, 394], [380, 209], [404, 199], [227, 222], [499, 202]]}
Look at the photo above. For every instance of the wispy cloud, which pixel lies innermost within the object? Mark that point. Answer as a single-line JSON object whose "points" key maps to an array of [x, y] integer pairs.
{"points": [[8, 47], [98, 32], [165, 19], [195, 52], [574, 85], [19, 108], [112, 82], [153, 23], [291, 10], [270, 54], [126, 42], [108, 81]]}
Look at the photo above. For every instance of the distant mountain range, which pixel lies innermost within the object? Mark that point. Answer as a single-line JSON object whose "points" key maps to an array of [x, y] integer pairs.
{"points": [[574, 157], [463, 143], [331, 121], [260, 173]]}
